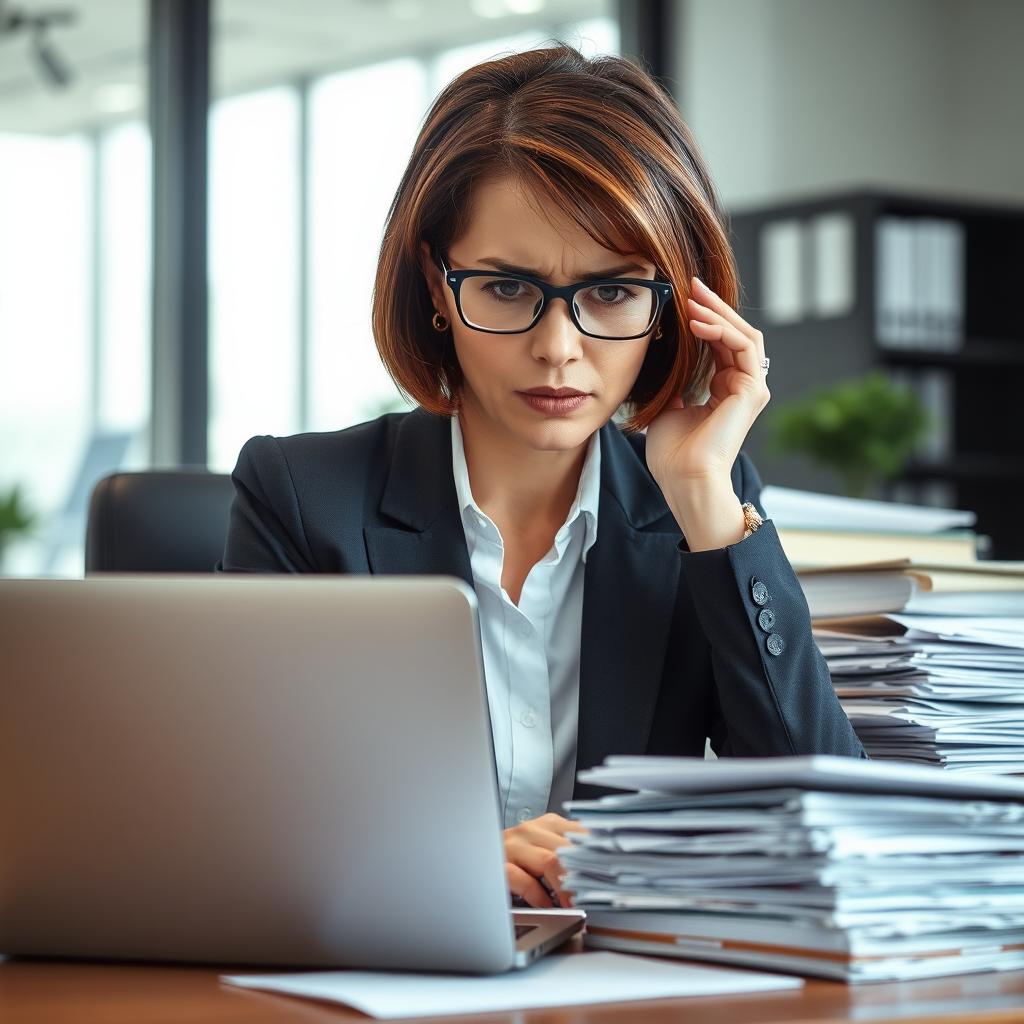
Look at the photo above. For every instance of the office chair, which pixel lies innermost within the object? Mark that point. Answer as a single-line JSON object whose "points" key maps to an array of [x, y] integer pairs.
{"points": [[158, 521]]}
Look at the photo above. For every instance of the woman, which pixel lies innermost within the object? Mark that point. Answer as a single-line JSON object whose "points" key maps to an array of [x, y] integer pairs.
{"points": [[538, 272]]}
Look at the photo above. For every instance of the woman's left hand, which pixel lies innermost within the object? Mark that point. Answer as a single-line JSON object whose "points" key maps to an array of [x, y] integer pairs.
{"points": [[691, 449], [701, 442]]}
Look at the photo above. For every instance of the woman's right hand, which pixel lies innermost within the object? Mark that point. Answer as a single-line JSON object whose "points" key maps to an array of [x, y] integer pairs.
{"points": [[530, 855]]}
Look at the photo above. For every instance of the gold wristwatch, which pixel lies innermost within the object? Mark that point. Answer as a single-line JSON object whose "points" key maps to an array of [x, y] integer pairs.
{"points": [[751, 518]]}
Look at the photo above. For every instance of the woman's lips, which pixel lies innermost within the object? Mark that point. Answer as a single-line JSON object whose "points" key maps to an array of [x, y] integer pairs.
{"points": [[553, 405]]}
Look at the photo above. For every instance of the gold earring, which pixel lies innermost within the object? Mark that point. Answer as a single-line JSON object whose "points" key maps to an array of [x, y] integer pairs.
{"points": [[439, 321], [658, 333]]}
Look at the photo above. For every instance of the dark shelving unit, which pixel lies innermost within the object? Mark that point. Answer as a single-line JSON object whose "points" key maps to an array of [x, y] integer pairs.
{"points": [[979, 462]]}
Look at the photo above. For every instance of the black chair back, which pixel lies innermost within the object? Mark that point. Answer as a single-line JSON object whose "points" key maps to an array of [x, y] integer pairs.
{"points": [[158, 521]]}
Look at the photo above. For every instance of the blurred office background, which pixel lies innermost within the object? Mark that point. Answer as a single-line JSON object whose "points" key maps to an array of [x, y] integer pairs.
{"points": [[313, 107]]}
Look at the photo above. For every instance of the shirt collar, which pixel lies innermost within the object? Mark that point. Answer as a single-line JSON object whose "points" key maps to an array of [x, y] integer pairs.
{"points": [[588, 493]]}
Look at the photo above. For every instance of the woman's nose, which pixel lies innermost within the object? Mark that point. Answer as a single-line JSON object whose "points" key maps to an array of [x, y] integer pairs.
{"points": [[556, 338]]}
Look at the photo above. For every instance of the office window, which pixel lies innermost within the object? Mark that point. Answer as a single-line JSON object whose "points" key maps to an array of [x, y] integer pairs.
{"points": [[355, 168], [74, 325], [254, 231], [74, 266], [125, 284], [46, 314]]}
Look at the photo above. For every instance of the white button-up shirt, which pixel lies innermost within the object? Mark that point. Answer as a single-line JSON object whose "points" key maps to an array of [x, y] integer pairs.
{"points": [[531, 652]]}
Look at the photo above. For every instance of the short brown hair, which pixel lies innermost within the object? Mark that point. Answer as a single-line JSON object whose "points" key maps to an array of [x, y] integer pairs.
{"points": [[605, 142]]}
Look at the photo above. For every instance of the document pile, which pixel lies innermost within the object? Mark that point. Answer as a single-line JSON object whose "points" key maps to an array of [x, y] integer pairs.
{"points": [[839, 867], [813, 527], [924, 640], [937, 677], [936, 689], [982, 593]]}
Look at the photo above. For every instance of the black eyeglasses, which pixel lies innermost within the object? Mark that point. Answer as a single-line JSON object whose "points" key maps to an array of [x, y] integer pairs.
{"points": [[614, 309]]}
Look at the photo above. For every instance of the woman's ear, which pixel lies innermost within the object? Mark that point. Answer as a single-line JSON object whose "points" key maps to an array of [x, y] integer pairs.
{"points": [[432, 274]]}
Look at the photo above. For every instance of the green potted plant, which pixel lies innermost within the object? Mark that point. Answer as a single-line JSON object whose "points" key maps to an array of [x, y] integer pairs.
{"points": [[15, 518], [863, 429]]}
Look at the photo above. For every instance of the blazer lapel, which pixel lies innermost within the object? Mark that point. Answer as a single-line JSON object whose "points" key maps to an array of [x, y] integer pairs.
{"points": [[630, 585], [419, 498]]}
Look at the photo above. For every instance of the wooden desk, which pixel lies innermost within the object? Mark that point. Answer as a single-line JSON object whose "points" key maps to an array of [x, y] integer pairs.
{"points": [[50, 992]]}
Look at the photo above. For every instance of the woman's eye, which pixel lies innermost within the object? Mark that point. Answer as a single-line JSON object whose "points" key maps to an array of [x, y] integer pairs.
{"points": [[611, 294], [505, 289]]}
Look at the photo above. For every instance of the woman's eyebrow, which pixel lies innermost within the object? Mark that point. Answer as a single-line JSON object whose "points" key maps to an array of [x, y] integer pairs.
{"points": [[616, 271]]}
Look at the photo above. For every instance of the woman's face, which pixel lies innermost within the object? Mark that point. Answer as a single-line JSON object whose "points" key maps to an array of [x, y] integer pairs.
{"points": [[499, 368]]}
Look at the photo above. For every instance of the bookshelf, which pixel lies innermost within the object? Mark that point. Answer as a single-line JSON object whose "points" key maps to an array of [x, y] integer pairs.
{"points": [[927, 289]]}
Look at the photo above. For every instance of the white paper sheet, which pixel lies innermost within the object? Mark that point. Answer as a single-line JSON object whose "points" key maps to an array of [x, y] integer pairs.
{"points": [[554, 980], [789, 507], [1001, 631], [803, 771]]}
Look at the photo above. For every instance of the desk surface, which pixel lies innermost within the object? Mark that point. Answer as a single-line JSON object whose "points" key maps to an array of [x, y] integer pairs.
{"points": [[50, 992]]}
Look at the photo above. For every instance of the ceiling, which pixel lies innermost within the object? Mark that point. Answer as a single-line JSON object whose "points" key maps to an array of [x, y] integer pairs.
{"points": [[255, 43]]}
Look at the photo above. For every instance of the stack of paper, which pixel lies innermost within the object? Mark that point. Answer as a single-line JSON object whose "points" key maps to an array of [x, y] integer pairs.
{"points": [[924, 641], [927, 658], [937, 689], [838, 867], [977, 589], [792, 508], [813, 527]]}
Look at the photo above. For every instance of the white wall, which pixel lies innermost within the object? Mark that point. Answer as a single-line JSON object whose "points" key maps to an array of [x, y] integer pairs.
{"points": [[788, 97]]}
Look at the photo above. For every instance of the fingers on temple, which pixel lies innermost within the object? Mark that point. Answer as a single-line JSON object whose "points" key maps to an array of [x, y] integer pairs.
{"points": [[736, 334], [712, 336], [744, 351], [718, 305]]}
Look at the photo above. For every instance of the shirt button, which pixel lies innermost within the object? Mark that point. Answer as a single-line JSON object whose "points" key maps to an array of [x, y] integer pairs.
{"points": [[523, 814], [758, 591], [529, 719], [775, 644], [766, 619]]}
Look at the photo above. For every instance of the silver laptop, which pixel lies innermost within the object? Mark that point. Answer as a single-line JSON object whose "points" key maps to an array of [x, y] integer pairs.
{"points": [[291, 770]]}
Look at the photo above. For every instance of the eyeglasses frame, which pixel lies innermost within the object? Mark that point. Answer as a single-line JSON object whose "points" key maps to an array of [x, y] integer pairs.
{"points": [[454, 278]]}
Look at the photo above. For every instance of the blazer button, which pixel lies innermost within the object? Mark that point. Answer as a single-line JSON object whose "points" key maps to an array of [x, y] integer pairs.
{"points": [[775, 644], [766, 619], [758, 591]]}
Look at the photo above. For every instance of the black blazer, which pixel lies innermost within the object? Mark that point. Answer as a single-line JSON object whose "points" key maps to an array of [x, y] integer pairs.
{"points": [[675, 644]]}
